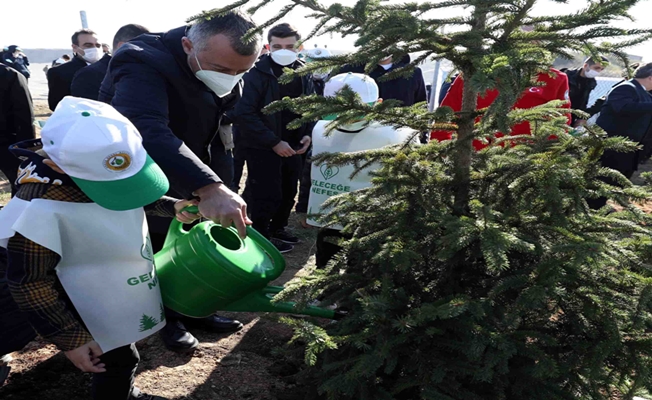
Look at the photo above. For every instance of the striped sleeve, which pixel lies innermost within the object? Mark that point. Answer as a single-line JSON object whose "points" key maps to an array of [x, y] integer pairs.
{"points": [[33, 285]]}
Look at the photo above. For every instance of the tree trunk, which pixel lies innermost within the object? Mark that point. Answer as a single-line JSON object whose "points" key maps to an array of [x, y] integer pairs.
{"points": [[464, 147]]}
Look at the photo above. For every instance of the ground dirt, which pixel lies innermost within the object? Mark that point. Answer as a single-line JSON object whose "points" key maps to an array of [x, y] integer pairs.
{"points": [[229, 367]]}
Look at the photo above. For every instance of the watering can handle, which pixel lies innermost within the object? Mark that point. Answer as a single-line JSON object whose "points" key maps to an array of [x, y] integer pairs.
{"points": [[176, 230]]}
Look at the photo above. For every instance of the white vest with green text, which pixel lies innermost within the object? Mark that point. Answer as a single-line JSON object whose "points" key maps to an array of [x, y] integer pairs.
{"points": [[328, 181]]}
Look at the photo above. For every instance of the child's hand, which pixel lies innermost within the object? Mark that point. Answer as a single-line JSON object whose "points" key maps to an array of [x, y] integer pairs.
{"points": [[87, 357], [185, 216]]}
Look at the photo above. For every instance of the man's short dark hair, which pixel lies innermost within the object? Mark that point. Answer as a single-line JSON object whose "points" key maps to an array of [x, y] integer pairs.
{"points": [[644, 71], [282, 31], [233, 25], [604, 61], [128, 32], [75, 36], [66, 57]]}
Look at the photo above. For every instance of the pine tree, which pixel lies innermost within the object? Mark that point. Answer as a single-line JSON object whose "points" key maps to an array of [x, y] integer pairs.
{"points": [[147, 322], [479, 275], [162, 317]]}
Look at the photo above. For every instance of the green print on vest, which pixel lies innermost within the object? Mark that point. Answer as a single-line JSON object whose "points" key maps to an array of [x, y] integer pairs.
{"points": [[328, 172], [147, 323], [146, 250], [151, 279], [162, 313]]}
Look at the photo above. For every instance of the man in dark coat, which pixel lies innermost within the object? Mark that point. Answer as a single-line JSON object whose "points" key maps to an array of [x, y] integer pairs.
{"points": [[16, 119], [273, 151], [409, 90], [88, 80], [628, 112], [87, 51], [15, 58], [16, 125], [176, 87], [581, 82]]}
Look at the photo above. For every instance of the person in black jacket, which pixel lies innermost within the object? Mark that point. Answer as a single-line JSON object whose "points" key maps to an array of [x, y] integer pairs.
{"points": [[409, 90], [273, 151], [87, 81], [581, 82], [628, 112], [16, 119], [176, 87], [87, 51], [15, 58]]}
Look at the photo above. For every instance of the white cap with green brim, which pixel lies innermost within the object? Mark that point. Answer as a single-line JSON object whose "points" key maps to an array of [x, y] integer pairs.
{"points": [[103, 153]]}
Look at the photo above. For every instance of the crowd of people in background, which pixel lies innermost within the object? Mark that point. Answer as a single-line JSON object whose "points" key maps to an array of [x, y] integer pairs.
{"points": [[196, 94]]}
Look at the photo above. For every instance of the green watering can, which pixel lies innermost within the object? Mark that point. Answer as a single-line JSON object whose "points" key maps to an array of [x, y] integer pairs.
{"points": [[210, 268]]}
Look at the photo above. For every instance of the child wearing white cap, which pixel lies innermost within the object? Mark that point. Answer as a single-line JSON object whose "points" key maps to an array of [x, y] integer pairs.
{"points": [[78, 220], [328, 181]]}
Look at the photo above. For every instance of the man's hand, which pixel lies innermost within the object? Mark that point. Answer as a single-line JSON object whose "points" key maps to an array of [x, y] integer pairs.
{"points": [[222, 206], [283, 149], [87, 357], [579, 122], [306, 144], [185, 216]]}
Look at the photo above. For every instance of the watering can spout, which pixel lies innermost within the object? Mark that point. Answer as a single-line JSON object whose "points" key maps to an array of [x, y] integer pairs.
{"points": [[261, 301]]}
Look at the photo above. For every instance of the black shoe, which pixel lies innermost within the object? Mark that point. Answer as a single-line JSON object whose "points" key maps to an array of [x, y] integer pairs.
{"points": [[281, 246], [4, 373], [285, 237], [136, 394], [177, 338], [215, 324]]}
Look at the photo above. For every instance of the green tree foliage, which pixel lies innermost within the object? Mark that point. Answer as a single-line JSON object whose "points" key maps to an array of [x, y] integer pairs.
{"points": [[479, 275]]}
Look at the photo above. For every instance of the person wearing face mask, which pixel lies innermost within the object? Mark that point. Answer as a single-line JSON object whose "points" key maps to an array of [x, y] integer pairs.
{"points": [[87, 50], [176, 88], [627, 112], [324, 182], [410, 90], [272, 150], [87, 81], [318, 78], [15, 58], [581, 82]]}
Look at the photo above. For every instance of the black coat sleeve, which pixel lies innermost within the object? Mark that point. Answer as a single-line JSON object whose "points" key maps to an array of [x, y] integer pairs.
{"points": [[57, 87], [420, 94], [84, 84], [249, 117], [141, 95], [22, 109], [624, 100]]}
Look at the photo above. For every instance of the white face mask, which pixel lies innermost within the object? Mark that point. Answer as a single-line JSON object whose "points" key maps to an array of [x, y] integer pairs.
{"points": [[220, 83], [591, 73], [92, 55], [284, 57]]}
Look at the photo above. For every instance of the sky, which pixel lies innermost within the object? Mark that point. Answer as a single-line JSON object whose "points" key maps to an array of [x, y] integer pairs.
{"points": [[50, 24]]}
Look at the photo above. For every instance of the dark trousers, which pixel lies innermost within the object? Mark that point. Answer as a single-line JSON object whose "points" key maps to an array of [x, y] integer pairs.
{"points": [[238, 167], [326, 249], [15, 330], [273, 184], [9, 165], [118, 380], [625, 163]]}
